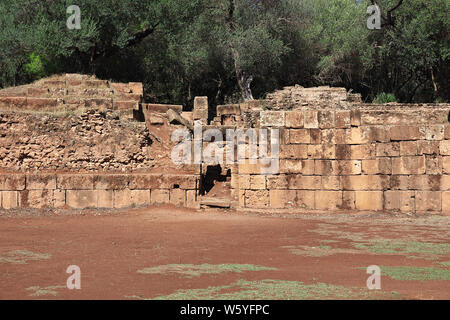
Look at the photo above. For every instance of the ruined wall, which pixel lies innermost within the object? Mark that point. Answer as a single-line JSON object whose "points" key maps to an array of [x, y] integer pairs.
{"points": [[79, 191], [393, 158]]}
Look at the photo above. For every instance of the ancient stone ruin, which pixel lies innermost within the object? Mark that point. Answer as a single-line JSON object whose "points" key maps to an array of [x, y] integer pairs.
{"points": [[73, 141]]}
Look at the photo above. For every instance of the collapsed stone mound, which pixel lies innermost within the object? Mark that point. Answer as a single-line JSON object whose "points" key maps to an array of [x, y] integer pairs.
{"points": [[72, 92]]}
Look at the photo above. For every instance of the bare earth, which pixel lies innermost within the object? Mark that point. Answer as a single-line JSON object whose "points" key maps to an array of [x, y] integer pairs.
{"points": [[169, 253]]}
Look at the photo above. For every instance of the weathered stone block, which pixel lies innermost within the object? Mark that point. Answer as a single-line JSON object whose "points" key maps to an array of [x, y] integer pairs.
{"points": [[378, 166], [299, 182], [191, 199], [311, 119], [446, 203], [326, 119], [75, 181], [257, 198], [356, 136], [444, 147], [315, 151], [295, 119], [141, 197], [365, 151], [403, 201], [316, 136], [36, 199], [369, 200], [328, 200], [41, 181], [378, 133], [405, 133], [408, 148], [12, 182], [348, 200], [111, 181], [409, 165], [446, 165], [280, 199], [273, 119], [433, 164], [160, 196], [258, 182], [41, 103], [447, 132], [343, 119], [306, 199], [145, 181], [125, 105], [105, 198], [325, 167], [445, 182], [355, 118], [122, 198], [81, 199], [348, 167], [60, 198], [388, 149], [428, 201], [432, 132], [297, 136], [400, 182], [10, 199], [425, 182], [136, 87], [377, 182], [427, 147], [294, 151], [331, 182]]}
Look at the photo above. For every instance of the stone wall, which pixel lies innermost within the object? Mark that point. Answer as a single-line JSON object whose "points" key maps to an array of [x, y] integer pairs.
{"points": [[393, 158], [80, 191]]}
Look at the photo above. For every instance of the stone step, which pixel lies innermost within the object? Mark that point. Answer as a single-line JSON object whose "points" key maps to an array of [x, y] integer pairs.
{"points": [[215, 202]]}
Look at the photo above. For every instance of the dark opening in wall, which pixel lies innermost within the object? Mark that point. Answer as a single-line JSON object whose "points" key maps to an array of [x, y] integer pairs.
{"points": [[176, 186], [213, 174]]}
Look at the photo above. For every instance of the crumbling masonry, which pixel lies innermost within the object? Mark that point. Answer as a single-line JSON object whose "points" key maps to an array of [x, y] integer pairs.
{"points": [[73, 141]]}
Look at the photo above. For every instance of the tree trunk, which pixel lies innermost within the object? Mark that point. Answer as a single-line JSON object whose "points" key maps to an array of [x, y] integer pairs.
{"points": [[244, 84]]}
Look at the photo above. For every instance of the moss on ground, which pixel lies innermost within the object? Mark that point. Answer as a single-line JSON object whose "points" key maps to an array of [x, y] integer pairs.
{"points": [[416, 273], [190, 270], [22, 256]]}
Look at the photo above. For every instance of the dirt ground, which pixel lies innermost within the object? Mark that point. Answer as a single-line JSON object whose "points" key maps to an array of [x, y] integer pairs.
{"points": [[170, 253]]}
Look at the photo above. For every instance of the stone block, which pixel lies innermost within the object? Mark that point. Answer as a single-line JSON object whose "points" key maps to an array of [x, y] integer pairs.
{"points": [[257, 182], [81, 199], [348, 200], [295, 119], [60, 198], [388, 149], [300, 182], [356, 136], [432, 132], [122, 198], [428, 201], [403, 201], [311, 119], [257, 198], [446, 203], [326, 119], [409, 165], [160, 196], [40, 181], [273, 119], [377, 166], [12, 182], [348, 167], [140, 197], [355, 118], [306, 199], [401, 182], [191, 199], [10, 199], [445, 182], [328, 200], [365, 151], [36, 199], [298, 136], [444, 147], [293, 151], [105, 198], [111, 181], [369, 200], [446, 165], [376, 182], [405, 133], [280, 199], [342, 119], [427, 147], [75, 181]]}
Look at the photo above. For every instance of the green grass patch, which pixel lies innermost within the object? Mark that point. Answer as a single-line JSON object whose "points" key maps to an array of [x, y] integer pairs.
{"points": [[272, 290], [22, 256], [47, 291], [445, 263], [416, 273], [415, 249], [191, 270]]}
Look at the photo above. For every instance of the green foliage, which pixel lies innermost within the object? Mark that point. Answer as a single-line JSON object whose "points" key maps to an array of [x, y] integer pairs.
{"points": [[385, 98], [34, 68], [180, 49]]}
